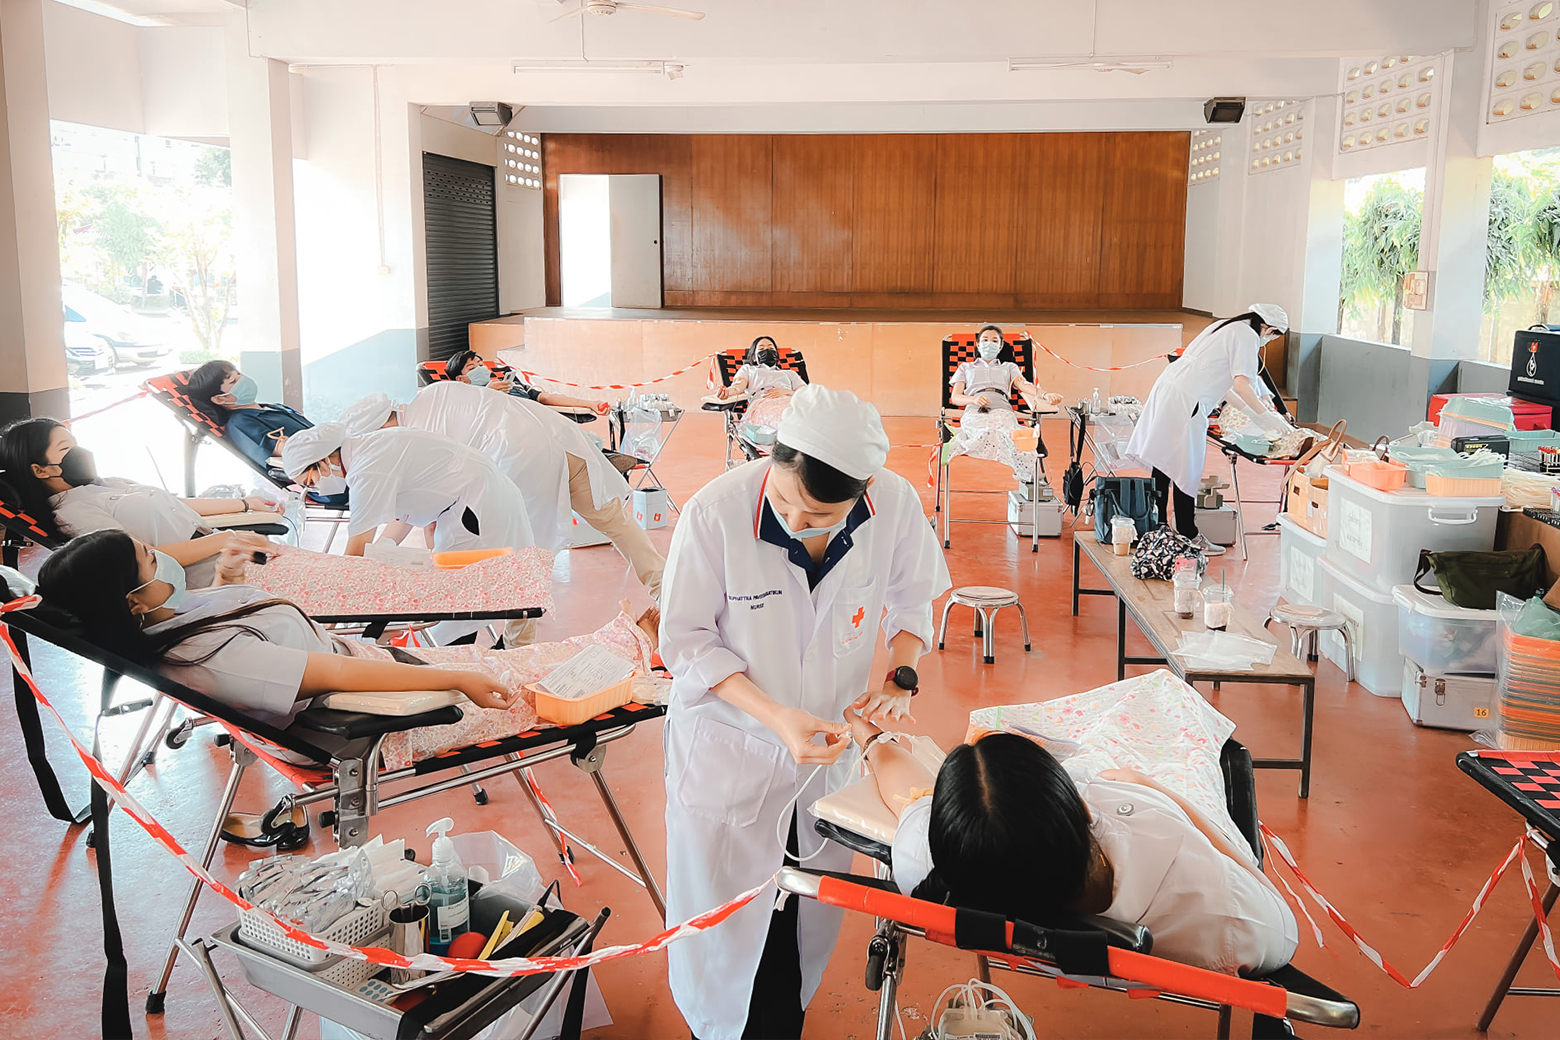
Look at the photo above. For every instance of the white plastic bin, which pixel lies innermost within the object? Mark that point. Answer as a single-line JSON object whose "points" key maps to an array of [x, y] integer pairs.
{"points": [[1299, 550], [1375, 536], [1444, 639], [1372, 617]]}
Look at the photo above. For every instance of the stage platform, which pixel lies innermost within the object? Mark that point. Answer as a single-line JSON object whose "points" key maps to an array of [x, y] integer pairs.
{"points": [[889, 357]]}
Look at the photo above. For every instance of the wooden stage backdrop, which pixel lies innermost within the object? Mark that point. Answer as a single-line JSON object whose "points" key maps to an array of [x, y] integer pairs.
{"points": [[1042, 220]]}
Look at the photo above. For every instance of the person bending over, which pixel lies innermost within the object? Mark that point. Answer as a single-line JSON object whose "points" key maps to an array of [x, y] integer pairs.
{"points": [[260, 654], [983, 389], [57, 483], [467, 366], [1004, 829]]}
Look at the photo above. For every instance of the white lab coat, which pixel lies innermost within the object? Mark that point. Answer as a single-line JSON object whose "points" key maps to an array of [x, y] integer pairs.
{"points": [[420, 477], [530, 442], [733, 603], [1172, 433]]}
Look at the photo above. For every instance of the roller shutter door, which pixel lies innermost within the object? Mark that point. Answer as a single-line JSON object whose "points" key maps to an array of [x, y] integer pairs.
{"points": [[462, 250]]}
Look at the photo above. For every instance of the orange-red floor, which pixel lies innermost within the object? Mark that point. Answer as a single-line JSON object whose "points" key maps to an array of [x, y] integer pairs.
{"points": [[1397, 837]]}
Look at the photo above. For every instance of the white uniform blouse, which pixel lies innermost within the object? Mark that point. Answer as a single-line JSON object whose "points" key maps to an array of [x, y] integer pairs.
{"points": [[256, 662], [148, 514], [992, 378], [1202, 908], [766, 377]]}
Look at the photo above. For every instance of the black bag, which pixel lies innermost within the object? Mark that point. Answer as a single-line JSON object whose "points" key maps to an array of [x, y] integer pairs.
{"points": [[1157, 552], [1471, 579], [1124, 496], [1072, 480]]}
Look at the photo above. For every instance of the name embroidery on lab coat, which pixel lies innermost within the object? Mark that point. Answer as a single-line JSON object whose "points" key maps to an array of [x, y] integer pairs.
{"points": [[755, 602]]}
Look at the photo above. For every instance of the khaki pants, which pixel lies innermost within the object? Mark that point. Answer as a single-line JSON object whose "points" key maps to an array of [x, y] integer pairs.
{"points": [[613, 521]]}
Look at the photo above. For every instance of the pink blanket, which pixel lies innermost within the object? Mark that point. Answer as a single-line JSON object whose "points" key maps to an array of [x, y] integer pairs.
{"points": [[326, 586]]}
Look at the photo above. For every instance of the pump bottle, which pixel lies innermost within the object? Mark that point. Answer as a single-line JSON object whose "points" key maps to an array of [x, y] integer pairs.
{"points": [[449, 905]]}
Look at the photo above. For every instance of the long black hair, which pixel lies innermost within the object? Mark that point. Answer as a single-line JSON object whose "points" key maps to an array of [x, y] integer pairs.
{"points": [[1009, 832], [821, 481], [23, 444], [90, 578], [206, 383]]}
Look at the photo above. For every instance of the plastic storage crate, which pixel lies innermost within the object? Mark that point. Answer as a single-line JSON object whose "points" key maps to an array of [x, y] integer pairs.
{"points": [[1374, 537], [1444, 639], [1299, 550], [1372, 616]]}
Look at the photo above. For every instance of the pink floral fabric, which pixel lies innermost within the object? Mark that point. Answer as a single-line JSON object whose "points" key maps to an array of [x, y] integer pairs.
{"points": [[766, 411], [327, 585], [1153, 723], [514, 668]]}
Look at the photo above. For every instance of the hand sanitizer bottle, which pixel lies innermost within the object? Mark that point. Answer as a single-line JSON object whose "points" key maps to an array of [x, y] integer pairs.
{"points": [[1096, 407], [448, 900]]}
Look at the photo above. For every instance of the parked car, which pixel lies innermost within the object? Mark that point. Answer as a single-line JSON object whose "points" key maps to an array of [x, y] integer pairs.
{"points": [[85, 353], [132, 339]]}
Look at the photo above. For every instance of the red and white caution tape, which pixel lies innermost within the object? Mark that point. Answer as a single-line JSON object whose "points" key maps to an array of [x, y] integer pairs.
{"points": [[1091, 368], [106, 407], [550, 817], [1276, 844], [537, 377], [126, 802]]}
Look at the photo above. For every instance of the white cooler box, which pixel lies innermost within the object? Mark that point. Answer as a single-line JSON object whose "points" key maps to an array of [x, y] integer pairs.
{"points": [[1443, 639], [1373, 630], [1462, 702], [1022, 514], [1218, 525], [1375, 536], [1298, 552]]}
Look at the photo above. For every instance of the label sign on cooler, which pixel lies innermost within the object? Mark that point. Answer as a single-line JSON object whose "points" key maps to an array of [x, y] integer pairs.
{"points": [[1354, 522], [1302, 575]]}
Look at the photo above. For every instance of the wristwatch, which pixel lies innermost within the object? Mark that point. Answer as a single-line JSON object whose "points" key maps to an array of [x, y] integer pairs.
{"points": [[905, 678]]}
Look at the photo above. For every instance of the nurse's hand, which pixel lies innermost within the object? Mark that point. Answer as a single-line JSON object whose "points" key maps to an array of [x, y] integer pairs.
{"points": [[890, 702], [798, 728], [482, 690]]}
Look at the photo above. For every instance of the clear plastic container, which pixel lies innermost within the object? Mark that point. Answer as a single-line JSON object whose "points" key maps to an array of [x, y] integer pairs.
{"points": [[1384, 476], [1374, 536], [1299, 550], [1443, 639], [1218, 605], [1122, 531], [1372, 616]]}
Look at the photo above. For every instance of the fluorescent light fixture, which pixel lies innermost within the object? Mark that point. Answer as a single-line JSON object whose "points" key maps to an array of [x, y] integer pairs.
{"points": [[579, 65], [1135, 66]]}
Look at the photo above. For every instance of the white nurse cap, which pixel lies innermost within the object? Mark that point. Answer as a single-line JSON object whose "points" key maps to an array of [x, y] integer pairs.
{"points": [[835, 427], [367, 415], [307, 447]]}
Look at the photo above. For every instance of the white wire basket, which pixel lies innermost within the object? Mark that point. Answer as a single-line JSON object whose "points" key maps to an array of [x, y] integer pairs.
{"points": [[353, 929]]}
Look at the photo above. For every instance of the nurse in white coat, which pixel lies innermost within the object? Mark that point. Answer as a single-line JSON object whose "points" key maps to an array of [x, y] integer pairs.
{"points": [[549, 458], [418, 478], [1171, 436], [779, 575]]}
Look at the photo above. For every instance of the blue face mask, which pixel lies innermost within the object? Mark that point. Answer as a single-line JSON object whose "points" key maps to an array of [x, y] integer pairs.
{"points": [[808, 533], [479, 376], [245, 390], [168, 570]]}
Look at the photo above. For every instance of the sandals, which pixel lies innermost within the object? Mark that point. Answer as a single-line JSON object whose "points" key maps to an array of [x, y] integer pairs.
{"points": [[268, 831]]}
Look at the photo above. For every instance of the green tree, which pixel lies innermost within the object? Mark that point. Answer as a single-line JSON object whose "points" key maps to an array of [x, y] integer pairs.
{"points": [[125, 233], [1380, 247], [199, 244], [215, 167], [1543, 241], [1509, 255]]}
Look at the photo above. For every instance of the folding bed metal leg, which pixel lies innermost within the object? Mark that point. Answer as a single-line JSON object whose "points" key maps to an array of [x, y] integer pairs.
{"points": [[885, 965], [1225, 1014], [1524, 945], [592, 764], [1240, 513], [523, 777], [478, 792], [243, 758]]}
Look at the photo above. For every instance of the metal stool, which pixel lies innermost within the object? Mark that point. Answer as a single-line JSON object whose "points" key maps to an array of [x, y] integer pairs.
{"points": [[985, 600], [1305, 622]]}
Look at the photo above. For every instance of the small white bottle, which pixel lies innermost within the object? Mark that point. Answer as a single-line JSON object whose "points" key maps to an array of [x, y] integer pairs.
{"points": [[449, 904], [1097, 408]]}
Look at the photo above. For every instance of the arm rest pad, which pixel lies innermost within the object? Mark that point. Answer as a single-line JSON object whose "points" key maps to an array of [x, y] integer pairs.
{"points": [[354, 725]]}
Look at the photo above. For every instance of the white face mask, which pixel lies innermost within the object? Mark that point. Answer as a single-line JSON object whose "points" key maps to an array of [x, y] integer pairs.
{"points": [[171, 572], [329, 483], [480, 376], [988, 350]]}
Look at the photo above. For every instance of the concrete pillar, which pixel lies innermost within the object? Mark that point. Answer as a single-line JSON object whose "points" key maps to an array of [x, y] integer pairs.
{"points": [[32, 344], [260, 134]]}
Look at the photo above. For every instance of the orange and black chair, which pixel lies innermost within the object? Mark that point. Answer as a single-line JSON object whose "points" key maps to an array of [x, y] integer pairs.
{"points": [[728, 363]]}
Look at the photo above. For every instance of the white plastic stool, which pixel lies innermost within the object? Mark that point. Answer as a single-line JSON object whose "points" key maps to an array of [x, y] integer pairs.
{"points": [[1305, 622], [985, 600]]}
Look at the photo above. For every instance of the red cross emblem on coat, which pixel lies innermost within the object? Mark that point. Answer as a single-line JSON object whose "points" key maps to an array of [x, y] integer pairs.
{"points": [[861, 612]]}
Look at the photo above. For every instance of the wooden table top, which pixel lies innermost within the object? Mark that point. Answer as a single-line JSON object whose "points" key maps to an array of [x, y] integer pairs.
{"points": [[1152, 606]]}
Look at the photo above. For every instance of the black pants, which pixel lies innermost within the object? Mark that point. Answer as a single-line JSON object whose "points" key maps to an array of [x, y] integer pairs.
{"points": [[1185, 505], [775, 1010]]}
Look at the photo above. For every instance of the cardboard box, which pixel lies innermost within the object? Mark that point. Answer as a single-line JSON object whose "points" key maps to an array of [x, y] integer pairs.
{"points": [[1520, 531], [651, 505]]}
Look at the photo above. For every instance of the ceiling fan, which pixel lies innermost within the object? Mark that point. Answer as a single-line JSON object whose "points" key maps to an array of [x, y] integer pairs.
{"points": [[609, 7]]}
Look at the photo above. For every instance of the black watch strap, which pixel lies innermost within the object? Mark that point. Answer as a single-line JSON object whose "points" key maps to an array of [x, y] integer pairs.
{"points": [[905, 678]]}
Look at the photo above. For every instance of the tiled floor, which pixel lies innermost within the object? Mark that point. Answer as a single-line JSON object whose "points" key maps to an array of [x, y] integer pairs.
{"points": [[1392, 831]]}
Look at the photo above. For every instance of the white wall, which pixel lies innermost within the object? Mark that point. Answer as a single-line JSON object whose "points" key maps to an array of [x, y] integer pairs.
{"points": [[184, 82], [522, 276], [1200, 283], [94, 69]]}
